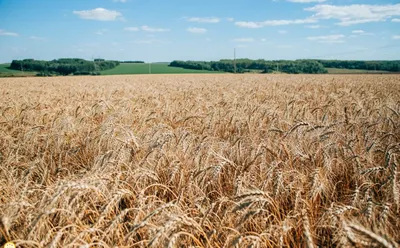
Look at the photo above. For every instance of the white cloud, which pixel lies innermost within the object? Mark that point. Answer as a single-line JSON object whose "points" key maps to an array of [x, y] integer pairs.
{"points": [[282, 32], [154, 30], [358, 32], [197, 30], [120, 1], [133, 29], [337, 38], [314, 26], [204, 19], [98, 14], [36, 38], [396, 20], [306, 1], [274, 23], [396, 37], [5, 33], [230, 19], [243, 40], [302, 1], [287, 22], [355, 13], [248, 24]]}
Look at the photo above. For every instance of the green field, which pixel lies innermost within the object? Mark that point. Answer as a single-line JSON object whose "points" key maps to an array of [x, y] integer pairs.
{"points": [[156, 68], [5, 72], [353, 71], [162, 68]]}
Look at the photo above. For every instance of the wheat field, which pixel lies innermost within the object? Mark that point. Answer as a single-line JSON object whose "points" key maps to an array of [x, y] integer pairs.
{"points": [[200, 161]]}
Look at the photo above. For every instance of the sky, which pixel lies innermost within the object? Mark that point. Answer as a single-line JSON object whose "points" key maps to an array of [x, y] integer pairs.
{"points": [[162, 31]]}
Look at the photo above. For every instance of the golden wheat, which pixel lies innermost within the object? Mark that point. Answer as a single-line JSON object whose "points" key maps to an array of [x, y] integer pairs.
{"points": [[200, 160]]}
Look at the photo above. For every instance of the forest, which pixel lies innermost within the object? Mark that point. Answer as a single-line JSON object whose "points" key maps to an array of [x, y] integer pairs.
{"points": [[286, 66], [64, 66], [382, 65]]}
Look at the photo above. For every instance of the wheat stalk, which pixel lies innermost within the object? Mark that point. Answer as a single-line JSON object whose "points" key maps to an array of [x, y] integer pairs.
{"points": [[200, 161], [306, 229], [374, 237]]}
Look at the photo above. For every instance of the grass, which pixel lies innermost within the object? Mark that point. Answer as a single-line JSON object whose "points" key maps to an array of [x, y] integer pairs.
{"points": [[6, 72], [156, 68], [4, 68], [200, 161], [353, 71]]}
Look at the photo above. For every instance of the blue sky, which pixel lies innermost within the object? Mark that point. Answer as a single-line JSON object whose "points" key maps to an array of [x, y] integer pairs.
{"points": [[160, 30]]}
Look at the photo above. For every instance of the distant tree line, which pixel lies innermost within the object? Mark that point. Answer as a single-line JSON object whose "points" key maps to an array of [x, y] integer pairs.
{"points": [[260, 66], [64, 66], [392, 66], [286, 66], [132, 61]]}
